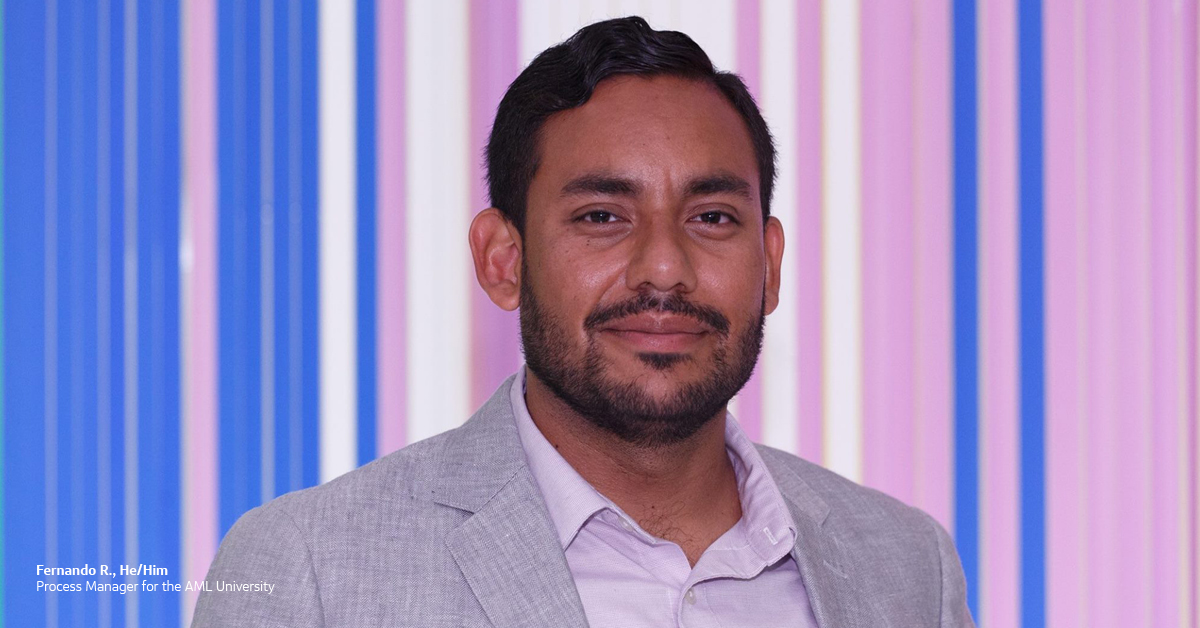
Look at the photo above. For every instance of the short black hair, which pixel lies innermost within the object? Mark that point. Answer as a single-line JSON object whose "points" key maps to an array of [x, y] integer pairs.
{"points": [[565, 75]]}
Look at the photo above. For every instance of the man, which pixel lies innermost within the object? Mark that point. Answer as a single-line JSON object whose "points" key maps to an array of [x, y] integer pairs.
{"points": [[604, 484]]}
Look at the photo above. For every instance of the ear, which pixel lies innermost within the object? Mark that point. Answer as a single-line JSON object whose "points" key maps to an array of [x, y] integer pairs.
{"points": [[773, 247], [496, 250]]}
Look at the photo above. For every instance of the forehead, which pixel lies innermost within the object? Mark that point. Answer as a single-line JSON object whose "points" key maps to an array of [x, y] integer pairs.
{"points": [[658, 129]]}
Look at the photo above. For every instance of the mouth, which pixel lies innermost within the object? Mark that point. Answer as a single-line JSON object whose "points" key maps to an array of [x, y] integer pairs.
{"points": [[650, 333]]}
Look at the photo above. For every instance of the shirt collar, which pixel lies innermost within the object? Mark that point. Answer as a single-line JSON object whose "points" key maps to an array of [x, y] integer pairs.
{"points": [[572, 501]]}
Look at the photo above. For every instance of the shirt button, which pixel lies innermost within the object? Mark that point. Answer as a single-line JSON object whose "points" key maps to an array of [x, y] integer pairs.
{"points": [[690, 596], [625, 524]]}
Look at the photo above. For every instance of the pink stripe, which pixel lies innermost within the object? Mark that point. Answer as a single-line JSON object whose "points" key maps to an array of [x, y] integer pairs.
{"points": [[998, 312], [200, 133], [1100, 534], [493, 65], [887, 232], [1132, 338], [933, 324], [1169, 335], [804, 241], [1066, 555], [1191, 171], [390, 274], [749, 67]]}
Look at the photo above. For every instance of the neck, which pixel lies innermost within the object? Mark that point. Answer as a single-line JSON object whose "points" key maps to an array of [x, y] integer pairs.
{"points": [[684, 492]]}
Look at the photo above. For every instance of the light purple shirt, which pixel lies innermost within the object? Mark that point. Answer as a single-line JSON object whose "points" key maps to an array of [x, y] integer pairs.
{"points": [[628, 578]]}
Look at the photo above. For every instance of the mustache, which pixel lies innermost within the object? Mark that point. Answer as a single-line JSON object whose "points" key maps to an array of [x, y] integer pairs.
{"points": [[672, 303]]}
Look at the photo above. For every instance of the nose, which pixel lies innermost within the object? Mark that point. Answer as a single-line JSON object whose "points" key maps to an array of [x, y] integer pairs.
{"points": [[660, 260]]}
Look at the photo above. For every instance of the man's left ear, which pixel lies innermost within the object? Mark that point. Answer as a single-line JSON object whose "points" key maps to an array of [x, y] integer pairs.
{"points": [[496, 251], [773, 246]]}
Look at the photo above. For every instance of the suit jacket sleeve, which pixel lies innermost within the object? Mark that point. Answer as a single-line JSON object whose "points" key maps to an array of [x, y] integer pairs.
{"points": [[264, 546], [954, 612]]}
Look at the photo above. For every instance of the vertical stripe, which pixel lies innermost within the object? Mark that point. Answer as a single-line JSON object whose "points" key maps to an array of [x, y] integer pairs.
{"points": [[338, 300], [748, 405], [1032, 317], [266, 245], [1168, 330], [887, 246], [24, 313], [116, 299], [367, 262], [780, 356], [841, 252], [1099, 52], [438, 190], [1191, 169], [390, 278], [1131, 251], [997, 237], [158, 300], [933, 446], [492, 38], [103, 329], [1067, 576], [129, 305], [3, 379], [281, 229], [239, 222], [310, 125], [966, 307], [50, 281], [804, 238], [295, 324], [199, 198]]}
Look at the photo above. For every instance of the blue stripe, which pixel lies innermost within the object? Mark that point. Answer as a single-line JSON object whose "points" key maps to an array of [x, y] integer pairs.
{"points": [[238, 242], [365, 54], [116, 138], [1032, 313], [158, 301], [77, 300], [966, 299], [281, 224], [310, 298], [24, 301]]}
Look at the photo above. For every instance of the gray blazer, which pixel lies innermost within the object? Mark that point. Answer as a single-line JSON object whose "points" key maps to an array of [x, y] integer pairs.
{"points": [[452, 531]]}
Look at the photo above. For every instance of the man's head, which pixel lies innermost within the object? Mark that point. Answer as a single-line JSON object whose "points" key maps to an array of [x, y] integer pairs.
{"points": [[631, 185]]}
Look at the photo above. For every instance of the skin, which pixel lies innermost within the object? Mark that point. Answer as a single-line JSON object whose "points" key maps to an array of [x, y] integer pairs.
{"points": [[655, 231]]}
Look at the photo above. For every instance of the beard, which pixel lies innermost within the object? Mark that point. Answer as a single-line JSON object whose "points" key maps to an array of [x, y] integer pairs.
{"points": [[623, 408]]}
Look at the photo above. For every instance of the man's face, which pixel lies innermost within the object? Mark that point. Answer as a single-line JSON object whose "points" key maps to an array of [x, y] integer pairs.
{"points": [[646, 275]]}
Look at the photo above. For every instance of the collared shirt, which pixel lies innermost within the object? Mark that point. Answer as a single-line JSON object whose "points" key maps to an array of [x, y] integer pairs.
{"points": [[628, 578]]}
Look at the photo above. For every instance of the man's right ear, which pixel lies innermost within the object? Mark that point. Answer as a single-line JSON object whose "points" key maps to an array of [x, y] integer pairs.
{"points": [[496, 250]]}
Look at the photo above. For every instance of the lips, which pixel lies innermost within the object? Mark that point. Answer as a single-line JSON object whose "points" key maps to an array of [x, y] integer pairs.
{"points": [[657, 333]]}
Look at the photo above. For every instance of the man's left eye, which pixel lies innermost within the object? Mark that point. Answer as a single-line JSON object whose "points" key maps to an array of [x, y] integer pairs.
{"points": [[714, 218]]}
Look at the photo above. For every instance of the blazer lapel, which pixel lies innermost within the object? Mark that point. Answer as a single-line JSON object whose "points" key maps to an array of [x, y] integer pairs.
{"points": [[507, 550], [833, 592]]}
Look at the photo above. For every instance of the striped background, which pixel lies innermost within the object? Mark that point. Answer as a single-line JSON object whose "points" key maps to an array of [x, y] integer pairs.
{"points": [[234, 265]]}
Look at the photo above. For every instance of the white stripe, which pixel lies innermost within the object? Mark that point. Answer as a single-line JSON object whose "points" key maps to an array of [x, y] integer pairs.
{"points": [[266, 238], [131, 301], [841, 253], [713, 25], [780, 355], [437, 214], [338, 312], [187, 347]]}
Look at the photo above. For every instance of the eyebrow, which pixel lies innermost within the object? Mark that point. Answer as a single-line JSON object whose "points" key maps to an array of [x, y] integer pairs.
{"points": [[604, 185], [609, 185], [719, 184]]}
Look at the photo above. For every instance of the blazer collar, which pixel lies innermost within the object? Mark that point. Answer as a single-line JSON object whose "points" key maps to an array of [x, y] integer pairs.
{"points": [[511, 557], [507, 550], [820, 553]]}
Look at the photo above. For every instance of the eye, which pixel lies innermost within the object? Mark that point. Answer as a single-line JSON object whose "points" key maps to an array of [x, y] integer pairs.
{"points": [[598, 216], [714, 218]]}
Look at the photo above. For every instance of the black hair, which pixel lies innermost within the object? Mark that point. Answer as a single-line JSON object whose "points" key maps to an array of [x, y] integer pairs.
{"points": [[565, 75]]}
